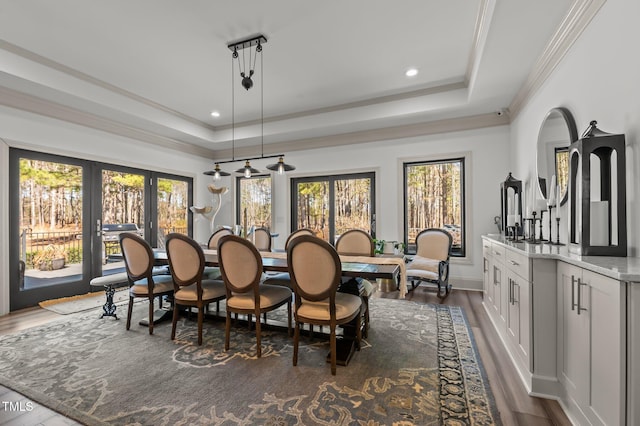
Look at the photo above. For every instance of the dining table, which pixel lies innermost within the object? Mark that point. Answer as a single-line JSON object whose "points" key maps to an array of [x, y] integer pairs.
{"points": [[367, 267]]}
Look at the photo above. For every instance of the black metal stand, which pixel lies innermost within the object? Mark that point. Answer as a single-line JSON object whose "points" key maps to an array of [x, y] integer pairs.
{"points": [[109, 308]]}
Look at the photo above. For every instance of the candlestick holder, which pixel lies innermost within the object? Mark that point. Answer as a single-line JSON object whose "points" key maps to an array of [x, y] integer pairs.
{"points": [[541, 233], [557, 241], [532, 228], [518, 232], [550, 240]]}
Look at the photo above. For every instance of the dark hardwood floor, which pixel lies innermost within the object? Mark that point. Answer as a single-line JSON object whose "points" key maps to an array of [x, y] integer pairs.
{"points": [[514, 405]]}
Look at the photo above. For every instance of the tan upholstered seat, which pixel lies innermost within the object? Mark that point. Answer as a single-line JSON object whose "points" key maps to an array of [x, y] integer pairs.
{"points": [[138, 260], [356, 242], [186, 261], [213, 272], [283, 278], [431, 262], [315, 269], [241, 267], [262, 239]]}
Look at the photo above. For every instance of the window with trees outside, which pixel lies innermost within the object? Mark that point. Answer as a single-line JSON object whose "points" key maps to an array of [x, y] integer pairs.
{"points": [[332, 205], [253, 202], [434, 198]]}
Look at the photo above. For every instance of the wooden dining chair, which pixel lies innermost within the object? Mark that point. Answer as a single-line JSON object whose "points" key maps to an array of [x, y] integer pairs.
{"points": [[356, 242], [315, 269], [431, 262], [213, 272], [283, 278], [186, 262], [262, 239], [241, 266], [138, 261]]}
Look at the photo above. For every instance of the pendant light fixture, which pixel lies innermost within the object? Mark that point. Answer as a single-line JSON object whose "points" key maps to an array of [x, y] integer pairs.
{"points": [[247, 71]]}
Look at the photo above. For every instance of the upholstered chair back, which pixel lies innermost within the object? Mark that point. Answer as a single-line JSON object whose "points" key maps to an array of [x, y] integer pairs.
{"points": [[434, 243], [240, 263], [138, 256], [215, 237], [262, 239], [186, 259], [296, 234], [315, 268], [355, 242]]}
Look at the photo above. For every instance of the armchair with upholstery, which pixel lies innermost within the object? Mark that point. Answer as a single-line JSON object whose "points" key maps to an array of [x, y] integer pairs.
{"points": [[431, 263]]}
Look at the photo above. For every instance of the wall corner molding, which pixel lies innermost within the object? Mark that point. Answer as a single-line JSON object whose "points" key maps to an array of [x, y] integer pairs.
{"points": [[578, 18]]}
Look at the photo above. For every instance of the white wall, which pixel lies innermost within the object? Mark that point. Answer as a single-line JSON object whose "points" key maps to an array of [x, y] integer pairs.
{"points": [[599, 80], [24, 130]]}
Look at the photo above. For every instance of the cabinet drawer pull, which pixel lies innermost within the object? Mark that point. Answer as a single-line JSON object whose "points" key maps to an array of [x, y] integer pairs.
{"points": [[514, 293], [573, 292], [510, 291], [514, 263], [580, 308], [497, 253]]}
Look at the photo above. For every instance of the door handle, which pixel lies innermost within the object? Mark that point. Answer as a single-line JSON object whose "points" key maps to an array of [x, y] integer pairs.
{"points": [[98, 228]]}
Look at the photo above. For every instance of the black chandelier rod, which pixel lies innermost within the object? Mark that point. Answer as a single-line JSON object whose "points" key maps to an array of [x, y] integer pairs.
{"points": [[249, 158]]}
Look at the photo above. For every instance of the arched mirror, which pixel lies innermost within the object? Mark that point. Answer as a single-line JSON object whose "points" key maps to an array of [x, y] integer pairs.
{"points": [[557, 132]]}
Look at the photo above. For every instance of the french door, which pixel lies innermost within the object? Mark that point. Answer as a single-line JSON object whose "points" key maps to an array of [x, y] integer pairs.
{"points": [[331, 205], [66, 214]]}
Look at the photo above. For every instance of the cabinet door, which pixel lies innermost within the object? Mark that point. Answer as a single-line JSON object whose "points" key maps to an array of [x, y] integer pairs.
{"points": [[573, 334], [606, 307], [518, 316], [487, 285], [499, 284]]}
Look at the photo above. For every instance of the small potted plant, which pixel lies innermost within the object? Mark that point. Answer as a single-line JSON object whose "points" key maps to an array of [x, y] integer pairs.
{"points": [[398, 247], [50, 258]]}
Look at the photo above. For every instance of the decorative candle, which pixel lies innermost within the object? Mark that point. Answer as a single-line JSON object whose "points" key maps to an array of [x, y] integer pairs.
{"points": [[511, 220], [558, 197], [552, 191], [599, 226], [516, 199]]}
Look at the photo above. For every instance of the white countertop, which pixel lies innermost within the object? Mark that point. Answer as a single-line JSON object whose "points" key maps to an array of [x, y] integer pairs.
{"points": [[619, 268]]}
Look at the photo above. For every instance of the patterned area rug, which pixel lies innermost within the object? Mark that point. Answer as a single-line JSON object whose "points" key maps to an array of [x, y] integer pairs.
{"points": [[419, 366]]}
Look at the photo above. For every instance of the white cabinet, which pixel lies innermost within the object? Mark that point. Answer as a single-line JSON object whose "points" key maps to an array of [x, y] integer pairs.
{"points": [[591, 345]]}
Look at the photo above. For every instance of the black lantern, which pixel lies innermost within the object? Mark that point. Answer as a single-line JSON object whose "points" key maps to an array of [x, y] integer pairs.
{"points": [[597, 194], [511, 201]]}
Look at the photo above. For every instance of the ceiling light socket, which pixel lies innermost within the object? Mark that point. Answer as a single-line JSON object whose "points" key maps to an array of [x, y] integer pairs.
{"points": [[411, 72]]}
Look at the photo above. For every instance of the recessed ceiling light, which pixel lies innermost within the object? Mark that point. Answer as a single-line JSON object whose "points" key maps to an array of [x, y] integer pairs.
{"points": [[215, 114], [411, 72]]}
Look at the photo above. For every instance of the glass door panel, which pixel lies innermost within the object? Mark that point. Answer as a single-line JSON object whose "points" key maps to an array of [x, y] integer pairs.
{"points": [[313, 207], [352, 200], [123, 201], [331, 205], [47, 227], [172, 207]]}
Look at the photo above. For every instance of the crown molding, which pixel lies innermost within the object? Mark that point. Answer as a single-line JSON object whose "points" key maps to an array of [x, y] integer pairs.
{"points": [[578, 18], [483, 21], [35, 105], [388, 133], [34, 57]]}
